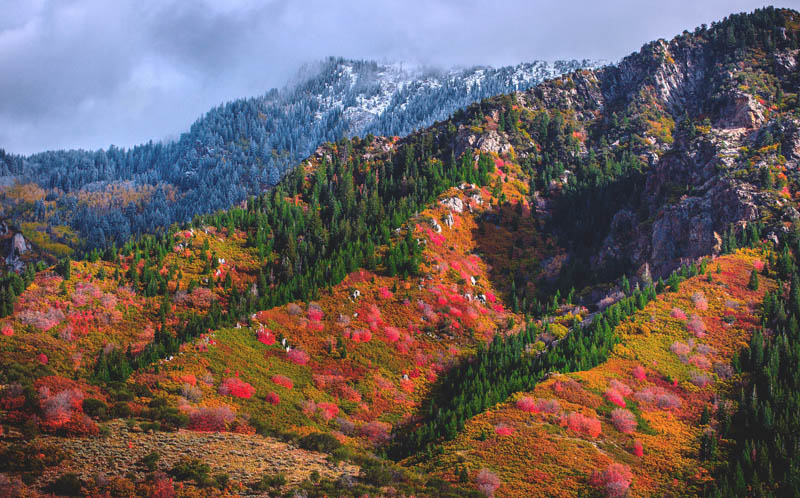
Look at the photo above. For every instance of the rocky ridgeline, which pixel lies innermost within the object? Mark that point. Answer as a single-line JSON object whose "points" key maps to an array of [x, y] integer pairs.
{"points": [[684, 77]]}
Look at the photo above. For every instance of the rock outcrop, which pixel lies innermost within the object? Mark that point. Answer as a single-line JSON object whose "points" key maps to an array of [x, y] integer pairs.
{"points": [[19, 246]]}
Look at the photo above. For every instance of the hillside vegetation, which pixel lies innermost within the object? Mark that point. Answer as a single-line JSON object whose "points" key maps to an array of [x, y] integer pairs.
{"points": [[555, 292]]}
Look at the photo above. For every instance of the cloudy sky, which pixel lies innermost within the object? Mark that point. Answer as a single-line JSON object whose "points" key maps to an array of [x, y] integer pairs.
{"points": [[89, 73]]}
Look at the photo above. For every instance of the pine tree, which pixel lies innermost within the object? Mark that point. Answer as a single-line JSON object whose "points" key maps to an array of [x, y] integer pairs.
{"points": [[753, 283]]}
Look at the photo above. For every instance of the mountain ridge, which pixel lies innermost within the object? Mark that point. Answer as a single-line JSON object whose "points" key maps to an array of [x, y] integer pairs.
{"points": [[246, 145]]}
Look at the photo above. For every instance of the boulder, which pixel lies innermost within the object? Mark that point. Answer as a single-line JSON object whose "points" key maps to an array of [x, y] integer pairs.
{"points": [[19, 246], [454, 204]]}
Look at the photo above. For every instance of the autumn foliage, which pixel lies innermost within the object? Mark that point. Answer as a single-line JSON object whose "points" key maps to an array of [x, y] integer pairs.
{"points": [[615, 480], [233, 386], [582, 424]]}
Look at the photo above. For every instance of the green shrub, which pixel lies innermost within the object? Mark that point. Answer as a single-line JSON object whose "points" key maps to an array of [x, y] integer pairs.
{"points": [[66, 485], [341, 453], [24, 457], [121, 409], [222, 481], [95, 408], [376, 473], [320, 442], [270, 481], [150, 461], [192, 469]]}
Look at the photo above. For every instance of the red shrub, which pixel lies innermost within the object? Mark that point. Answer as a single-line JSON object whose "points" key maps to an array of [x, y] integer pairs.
{"points": [[621, 387], [392, 334], [8, 330], [758, 265], [615, 480], [527, 404], [273, 398], [701, 379], [615, 397], [233, 386], [696, 326], [282, 380], [638, 449], [660, 397], [582, 424], [502, 429], [349, 394], [624, 420], [699, 300], [678, 314], [80, 425], [161, 488], [315, 314], [265, 337], [202, 297], [531, 405], [59, 408], [680, 348], [385, 293], [375, 431], [487, 482], [42, 358], [700, 361], [548, 406], [211, 419], [639, 373], [188, 379], [327, 410], [297, 356], [362, 335], [309, 407]]}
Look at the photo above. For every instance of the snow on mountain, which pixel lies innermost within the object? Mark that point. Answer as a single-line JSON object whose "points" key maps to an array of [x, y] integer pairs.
{"points": [[397, 98]]}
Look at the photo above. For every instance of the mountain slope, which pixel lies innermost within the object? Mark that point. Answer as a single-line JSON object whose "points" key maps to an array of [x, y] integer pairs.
{"points": [[641, 411], [423, 285], [246, 145]]}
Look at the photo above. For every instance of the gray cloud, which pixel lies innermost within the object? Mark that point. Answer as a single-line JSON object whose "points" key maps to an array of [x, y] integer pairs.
{"points": [[88, 73]]}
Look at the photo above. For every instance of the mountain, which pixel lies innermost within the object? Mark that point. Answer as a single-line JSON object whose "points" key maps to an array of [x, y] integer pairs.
{"points": [[586, 287], [246, 145]]}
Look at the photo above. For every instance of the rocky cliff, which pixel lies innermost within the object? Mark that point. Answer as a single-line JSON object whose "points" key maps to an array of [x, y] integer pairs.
{"points": [[710, 118]]}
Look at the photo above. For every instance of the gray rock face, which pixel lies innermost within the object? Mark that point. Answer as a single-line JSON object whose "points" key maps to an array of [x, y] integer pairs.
{"points": [[454, 204], [19, 246], [689, 198], [490, 141], [690, 226], [741, 111], [690, 229]]}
